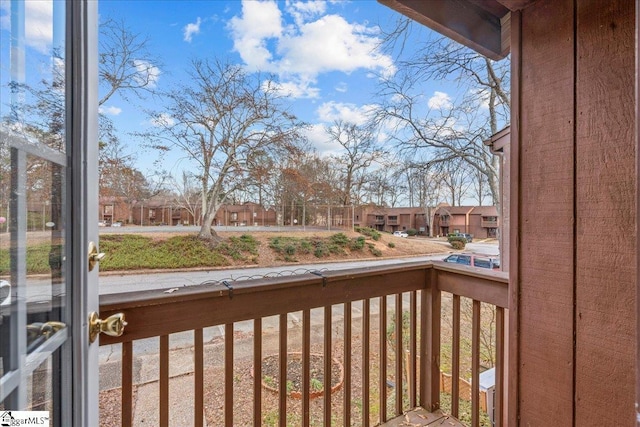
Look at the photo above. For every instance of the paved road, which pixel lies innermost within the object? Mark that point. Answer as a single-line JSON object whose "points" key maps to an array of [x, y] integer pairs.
{"points": [[194, 229], [110, 284], [41, 289]]}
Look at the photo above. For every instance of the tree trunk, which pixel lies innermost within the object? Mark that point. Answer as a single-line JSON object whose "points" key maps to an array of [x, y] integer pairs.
{"points": [[206, 230]]}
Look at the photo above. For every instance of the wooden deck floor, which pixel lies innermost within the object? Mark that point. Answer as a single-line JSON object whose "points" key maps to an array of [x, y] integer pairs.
{"points": [[421, 418]]}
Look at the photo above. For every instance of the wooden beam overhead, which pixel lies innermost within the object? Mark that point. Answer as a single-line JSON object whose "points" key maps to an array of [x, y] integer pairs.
{"points": [[466, 21]]}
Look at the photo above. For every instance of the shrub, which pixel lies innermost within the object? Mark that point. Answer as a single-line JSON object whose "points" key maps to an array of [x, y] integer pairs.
{"points": [[376, 252], [321, 251], [412, 232], [357, 244], [456, 241], [340, 239], [306, 246], [336, 249], [370, 232], [457, 244], [392, 245]]}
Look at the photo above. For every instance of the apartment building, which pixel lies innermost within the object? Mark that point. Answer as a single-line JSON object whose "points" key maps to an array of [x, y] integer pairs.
{"points": [[479, 221]]}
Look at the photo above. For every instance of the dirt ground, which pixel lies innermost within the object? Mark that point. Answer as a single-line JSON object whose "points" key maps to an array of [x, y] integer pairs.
{"points": [[403, 247]]}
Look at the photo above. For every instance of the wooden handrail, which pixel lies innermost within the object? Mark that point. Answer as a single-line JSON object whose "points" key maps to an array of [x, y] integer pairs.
{"points": [[193, 308]]}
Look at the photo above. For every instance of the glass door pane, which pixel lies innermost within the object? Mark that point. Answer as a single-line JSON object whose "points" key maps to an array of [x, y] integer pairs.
{"points": [[33, 213]]}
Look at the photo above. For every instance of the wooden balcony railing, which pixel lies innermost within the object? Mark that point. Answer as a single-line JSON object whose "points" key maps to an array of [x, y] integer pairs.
{"points": [[489, 224], [349, 316]]}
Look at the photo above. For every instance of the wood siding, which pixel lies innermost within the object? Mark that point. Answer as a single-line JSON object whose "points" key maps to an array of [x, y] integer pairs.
{"points": [[605, 237], [576, 220]]}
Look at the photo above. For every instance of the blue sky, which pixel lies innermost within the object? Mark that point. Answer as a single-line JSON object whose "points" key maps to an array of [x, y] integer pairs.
{"points": [[325, 54]]}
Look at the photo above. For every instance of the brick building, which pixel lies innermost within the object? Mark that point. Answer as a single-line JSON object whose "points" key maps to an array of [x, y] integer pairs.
{"points": [[479, 221]]}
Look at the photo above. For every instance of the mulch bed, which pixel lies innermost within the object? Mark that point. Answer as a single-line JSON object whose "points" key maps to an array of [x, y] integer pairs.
{"points": [[271, 374]]}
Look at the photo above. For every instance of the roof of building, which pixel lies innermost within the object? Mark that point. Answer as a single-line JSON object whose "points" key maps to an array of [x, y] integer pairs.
{"points": [[463, 210], [485, 210]]}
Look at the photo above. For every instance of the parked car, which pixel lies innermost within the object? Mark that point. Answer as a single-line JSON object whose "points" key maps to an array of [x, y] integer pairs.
{"points": [[117, 224], [400, 234], [482, 261]]}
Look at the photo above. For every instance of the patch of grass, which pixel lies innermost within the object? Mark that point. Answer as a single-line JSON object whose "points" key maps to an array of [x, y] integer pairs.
{"points": [[316, 384], [374, 251], [129, 251], [357, 244], [339, 239], [239, 248], [369, 232], [290, 247], [40, 258]]}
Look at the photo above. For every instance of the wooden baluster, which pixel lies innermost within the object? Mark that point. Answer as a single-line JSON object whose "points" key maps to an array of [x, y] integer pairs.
{"points": [[455, 358], [228, 375], [399, 353], [164, 380], [282, 381], [198, 377], [306, 363], [328, 359], [346, 403], [127, 383], [475, 365], [383, 359], [257, 372], [366, 320]]}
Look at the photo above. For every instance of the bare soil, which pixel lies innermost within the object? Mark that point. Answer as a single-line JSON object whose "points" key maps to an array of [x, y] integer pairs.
{"points": [[403, 247]]}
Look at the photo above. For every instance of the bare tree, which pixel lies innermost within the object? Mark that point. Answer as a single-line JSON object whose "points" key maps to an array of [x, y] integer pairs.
{"points": [[217, 121], [360, 150], [456, 179], [120, 179], [125, 62], [188, 194], [443, 134], [456, 130]]}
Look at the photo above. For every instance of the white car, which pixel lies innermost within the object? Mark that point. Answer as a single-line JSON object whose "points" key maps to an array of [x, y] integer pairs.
{"points": [[400, 234]]}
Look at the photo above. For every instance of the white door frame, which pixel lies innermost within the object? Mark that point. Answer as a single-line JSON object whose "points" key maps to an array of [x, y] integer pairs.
{"points": [[82, 129]]}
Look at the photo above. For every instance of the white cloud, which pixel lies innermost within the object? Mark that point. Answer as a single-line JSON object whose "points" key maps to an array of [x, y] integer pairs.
{"points": [[38, 27], [162, 120], [111, 111], [315, 43], [147, 71], [293, 89], [191, 29], [440, 101], [319, 139], [331, 44], [260, 21], [304, 11], [331, 111], [341, 87]]}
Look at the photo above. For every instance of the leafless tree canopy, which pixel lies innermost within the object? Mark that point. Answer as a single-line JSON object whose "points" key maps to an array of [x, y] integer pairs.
{"points": [[126, 64], [448, 133], [219, 120], [360, 151]]}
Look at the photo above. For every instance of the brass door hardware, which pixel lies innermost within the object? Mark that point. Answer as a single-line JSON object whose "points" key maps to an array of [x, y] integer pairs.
{"points": [[112, 325], [94, 255]]}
